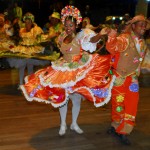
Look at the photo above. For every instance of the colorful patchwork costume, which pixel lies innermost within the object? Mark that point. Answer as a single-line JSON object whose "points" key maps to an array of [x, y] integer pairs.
{"points": [[128, 51]]}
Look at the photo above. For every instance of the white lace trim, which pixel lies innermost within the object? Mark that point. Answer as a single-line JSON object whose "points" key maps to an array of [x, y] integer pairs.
{"points": [[66, 68], [30, 99]]}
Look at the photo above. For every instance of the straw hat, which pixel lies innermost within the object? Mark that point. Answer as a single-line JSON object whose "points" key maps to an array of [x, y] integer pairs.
{"points": [[108, 18], [55, 15], [136, 19]]}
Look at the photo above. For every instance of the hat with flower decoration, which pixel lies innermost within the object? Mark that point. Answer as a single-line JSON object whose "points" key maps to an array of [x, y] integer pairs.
{"points": [[71, 11]]}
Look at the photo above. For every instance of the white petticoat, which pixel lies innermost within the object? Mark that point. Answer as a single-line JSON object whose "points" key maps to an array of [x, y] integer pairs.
{"points": [[21, 62]]}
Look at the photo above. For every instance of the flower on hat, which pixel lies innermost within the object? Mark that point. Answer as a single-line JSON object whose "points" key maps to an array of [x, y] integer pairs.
{"points": [[71, 11]]}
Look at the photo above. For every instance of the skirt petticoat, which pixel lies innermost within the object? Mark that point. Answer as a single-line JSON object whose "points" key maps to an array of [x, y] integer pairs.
{"points": [[17, 62], [37, 62], [89, 77], [21, 62]]}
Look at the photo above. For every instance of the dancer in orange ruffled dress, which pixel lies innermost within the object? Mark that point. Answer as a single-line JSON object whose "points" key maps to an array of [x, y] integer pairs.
{"points": [[77, 74]]}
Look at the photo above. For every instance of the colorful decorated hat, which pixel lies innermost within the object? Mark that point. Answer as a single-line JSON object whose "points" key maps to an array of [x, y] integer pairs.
{"points": [[71, 11], [28, 15]]}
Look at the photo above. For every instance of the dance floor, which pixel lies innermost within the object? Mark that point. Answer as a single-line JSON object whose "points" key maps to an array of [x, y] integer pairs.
{"points": [[34, 126]]}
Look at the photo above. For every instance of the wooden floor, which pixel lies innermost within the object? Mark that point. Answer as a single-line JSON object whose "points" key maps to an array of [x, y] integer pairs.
{"points": [[35, 126]]}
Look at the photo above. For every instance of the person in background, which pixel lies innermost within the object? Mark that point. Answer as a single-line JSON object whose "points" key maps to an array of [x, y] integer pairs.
{"points": [[17, 11], [5, 33], [86, 24], [26, 44], [54, 28], [125, 19]]}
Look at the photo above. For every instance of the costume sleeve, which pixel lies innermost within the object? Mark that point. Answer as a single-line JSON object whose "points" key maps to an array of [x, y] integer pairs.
{"points": [[117, 44], [84, 38], [38, 30]]}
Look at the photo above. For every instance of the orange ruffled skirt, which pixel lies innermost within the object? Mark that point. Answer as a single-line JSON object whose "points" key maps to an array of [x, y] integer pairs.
{"points": [[53, 84]]}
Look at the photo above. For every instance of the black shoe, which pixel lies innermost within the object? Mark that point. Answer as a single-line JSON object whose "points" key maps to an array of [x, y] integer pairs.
{"points": [[111, 130], [123, 139]]}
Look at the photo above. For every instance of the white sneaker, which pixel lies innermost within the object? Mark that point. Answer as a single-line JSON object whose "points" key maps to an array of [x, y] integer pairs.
{"points": [[62, 130], [76, 128]]}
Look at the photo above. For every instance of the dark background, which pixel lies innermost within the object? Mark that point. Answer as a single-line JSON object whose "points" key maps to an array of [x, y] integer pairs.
{"points": [[99, 9]]}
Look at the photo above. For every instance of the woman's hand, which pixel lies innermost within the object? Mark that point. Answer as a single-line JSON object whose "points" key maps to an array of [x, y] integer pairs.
{"points": [[105, 31]]}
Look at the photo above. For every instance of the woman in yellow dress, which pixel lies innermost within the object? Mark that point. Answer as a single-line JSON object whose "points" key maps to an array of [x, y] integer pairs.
{"points": [[28, 45]]}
